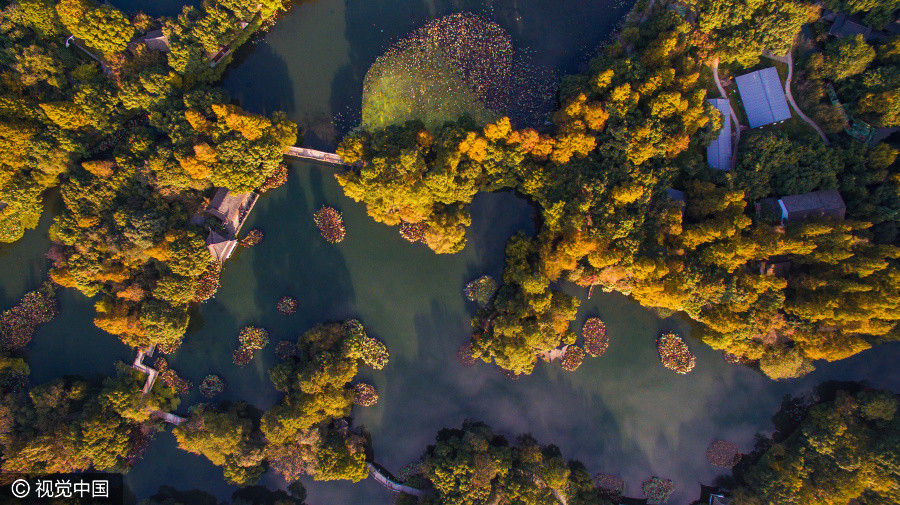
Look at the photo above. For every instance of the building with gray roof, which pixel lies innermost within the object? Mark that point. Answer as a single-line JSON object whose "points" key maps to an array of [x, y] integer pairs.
{"points": [[845, 26], [763, 97], [718, 154], [817, 204]]}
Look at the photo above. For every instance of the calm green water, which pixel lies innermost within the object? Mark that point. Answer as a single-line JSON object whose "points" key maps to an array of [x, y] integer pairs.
{"points": [[622, 413]]}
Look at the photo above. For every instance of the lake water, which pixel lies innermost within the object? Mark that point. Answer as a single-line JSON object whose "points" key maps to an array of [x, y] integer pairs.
{"points": [[622, 413]]}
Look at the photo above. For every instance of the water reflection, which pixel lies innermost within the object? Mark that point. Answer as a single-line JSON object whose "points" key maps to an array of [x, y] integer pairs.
{"points": [[622, 413]]}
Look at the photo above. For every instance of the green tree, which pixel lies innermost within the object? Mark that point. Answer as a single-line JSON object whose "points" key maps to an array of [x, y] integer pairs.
{"points": [[847, 57], [844, 449]]}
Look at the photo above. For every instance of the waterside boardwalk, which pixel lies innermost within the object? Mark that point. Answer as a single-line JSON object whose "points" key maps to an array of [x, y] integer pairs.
{"points": [[385, 479], [144, 369], [152, 373]]}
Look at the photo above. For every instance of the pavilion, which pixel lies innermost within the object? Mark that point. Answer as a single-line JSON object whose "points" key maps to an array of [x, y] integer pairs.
{"points": [[220, 248]]}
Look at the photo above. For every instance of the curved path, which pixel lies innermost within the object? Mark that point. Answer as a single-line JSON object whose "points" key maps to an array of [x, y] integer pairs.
{"points": [[103, 66], [734, 119], [789, 59]]}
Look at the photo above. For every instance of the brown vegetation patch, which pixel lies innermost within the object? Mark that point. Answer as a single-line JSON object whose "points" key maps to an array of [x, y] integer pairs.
{"points": [[364, 394], [723, 454], [674, 353], [464, 354], [595, 338], [573, 358], [331, 224], [657, 490], [212, 385], [610, 485], [251, 339], [208, 283], [481, 290], [413, 232], [287, 305], [18, 323], [252, 238], [276, 180], [171, 378]]}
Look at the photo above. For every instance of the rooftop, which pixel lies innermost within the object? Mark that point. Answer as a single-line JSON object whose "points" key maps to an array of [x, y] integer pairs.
{"points": [[231, 208], [220, 248], [718, 154], [763, 97], [156, 41], [815, 204], [845, 26]]}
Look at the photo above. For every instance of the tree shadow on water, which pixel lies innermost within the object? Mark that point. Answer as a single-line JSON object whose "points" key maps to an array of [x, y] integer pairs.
{"points": [[294, 259], [258, 79]]}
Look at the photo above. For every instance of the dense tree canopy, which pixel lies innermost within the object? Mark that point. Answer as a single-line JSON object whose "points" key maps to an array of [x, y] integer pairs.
{"points": [[745, 29], [842, 451], [134, 145], [70, 425], [875, 13], [475, 466], [306, 432], [631, 127]]}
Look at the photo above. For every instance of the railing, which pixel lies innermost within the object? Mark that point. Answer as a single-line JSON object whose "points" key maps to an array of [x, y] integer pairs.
{"points": [[314, 155], [383, 478]]}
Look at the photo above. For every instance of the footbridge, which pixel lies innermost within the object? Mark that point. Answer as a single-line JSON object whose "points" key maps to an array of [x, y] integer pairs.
{"points": [[387, 480], [152, 373], [305, 153]]}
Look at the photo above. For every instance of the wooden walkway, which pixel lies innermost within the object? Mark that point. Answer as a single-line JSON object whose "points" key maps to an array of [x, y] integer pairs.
{"points": [[103, 66], [168, 417], [304, 153], [141, 367], [385, 479], [152, 373]]}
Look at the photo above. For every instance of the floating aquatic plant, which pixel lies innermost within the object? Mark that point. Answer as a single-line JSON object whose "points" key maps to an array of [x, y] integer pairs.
{"points": [[364, 395], [481, 290], [252, 238], [674, 353], [723, 454], [18, 323], [208, 283], [572, 358], [287, 305], [171, 378], [657, 490], [413, 232], [212, 385], [251, 339], [331, 224], [595, 338]]}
